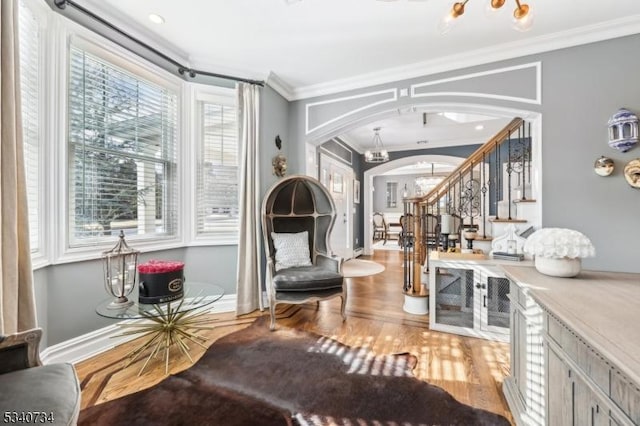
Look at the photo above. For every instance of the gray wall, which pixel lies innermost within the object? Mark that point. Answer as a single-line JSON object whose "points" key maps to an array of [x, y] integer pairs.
{"points": [[581, 88], [274, 121], [380, 191], [67, 294]]}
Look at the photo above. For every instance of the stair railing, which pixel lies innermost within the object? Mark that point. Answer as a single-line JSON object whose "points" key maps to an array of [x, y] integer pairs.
{"points": [[473, 194]]}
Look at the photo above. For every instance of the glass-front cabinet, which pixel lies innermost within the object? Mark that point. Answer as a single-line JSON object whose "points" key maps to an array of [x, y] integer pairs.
{"points": [[469, 298]]}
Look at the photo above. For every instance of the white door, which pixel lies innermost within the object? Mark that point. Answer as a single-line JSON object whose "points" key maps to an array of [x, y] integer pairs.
{"points": [[339, 180]]}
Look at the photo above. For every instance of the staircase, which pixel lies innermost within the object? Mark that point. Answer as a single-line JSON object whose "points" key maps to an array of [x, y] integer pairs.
{"points": [[490, 191]]}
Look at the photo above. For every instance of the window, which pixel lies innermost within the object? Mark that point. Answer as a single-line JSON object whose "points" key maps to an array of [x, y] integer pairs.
{"points": [[392, 194], [31, 93], [122, 135], [217, 170]]}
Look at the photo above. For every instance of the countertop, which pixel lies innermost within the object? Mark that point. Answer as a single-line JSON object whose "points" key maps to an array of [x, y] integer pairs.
{"points": [[602, 307]]}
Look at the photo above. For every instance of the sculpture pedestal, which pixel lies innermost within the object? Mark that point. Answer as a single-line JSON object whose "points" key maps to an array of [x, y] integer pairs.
{"points": [[417, 303]]}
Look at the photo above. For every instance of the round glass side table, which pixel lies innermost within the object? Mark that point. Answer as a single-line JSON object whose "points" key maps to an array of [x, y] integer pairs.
{"points": [[167, 323]]}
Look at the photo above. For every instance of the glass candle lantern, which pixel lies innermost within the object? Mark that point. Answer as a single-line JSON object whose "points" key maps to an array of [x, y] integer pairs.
{"points": [[120, 265]]}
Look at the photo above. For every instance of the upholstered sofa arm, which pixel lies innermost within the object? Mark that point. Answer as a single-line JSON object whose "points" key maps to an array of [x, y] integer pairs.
{"points": [[19, 351], [332, 263], [26, 385]]}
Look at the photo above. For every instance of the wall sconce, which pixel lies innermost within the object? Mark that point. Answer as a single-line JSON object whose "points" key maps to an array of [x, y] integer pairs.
{"points": [[279, 162], [120, 273]]}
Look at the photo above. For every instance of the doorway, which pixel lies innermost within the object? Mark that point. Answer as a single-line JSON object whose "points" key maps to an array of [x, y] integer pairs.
{"points": [[389, 167], [338, 179]]}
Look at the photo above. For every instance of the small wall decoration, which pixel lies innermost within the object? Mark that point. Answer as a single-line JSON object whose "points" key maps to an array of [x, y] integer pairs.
{"points": [[356, 191], [279, 162], [632, 173], [603, 166], [623, 130]]}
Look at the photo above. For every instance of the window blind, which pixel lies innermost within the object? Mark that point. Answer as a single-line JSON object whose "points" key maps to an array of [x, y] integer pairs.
{"points": [[218, 176], [122, 134], [31, 93]]}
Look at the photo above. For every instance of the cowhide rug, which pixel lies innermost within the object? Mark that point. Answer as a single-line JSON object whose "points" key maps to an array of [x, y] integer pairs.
{"points": [[258, 377]]}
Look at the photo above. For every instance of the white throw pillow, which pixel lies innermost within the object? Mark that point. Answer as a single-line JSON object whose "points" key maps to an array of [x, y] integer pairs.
{"points": [[291, 249]]}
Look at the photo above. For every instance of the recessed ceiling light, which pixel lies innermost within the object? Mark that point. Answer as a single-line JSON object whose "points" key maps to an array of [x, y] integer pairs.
{"points": [[479, 127], [156, 19]]}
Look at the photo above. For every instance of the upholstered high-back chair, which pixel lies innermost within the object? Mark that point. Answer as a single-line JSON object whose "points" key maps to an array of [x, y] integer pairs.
{"points": [[298, 214]]}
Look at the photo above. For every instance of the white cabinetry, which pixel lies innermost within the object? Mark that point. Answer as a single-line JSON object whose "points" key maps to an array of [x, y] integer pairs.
{"points": [[524, 388], [469, 298]]}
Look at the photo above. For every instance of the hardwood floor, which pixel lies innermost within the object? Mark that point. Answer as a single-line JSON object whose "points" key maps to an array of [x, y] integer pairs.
{"points": [[471, 369]]}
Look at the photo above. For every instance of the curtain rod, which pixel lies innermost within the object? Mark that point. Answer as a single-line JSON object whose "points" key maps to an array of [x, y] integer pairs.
{"points": [[182, 70]]}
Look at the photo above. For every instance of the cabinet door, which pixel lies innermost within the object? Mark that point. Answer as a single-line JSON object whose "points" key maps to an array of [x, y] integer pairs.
{"points": [[495, 304], [584, 405], [454, 297], [589, 409], [520, 339], [559, 391]]}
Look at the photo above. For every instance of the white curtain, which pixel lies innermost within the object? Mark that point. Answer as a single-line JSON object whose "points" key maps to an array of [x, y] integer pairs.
{"points": [[248, 288], [17, 306]]}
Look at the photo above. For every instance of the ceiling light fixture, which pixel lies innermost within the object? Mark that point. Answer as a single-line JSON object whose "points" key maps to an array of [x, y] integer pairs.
{"points": [[378, 154], [479, 127], [156, 19], [522, 15]]}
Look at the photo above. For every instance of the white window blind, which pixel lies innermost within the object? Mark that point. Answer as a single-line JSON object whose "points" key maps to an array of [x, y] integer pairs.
{"points": [[122, 153], [218, 175], [31, 93]]}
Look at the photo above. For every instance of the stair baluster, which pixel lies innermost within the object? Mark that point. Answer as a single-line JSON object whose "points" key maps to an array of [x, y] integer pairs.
{"points": [[464, 194]]}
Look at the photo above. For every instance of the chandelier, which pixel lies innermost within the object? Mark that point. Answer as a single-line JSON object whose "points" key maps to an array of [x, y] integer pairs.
{"points": [[378, 154], [522, 15]]}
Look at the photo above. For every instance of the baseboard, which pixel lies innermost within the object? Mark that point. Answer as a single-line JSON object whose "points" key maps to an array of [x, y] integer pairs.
{"points": [[90, 344], [358, 252]]}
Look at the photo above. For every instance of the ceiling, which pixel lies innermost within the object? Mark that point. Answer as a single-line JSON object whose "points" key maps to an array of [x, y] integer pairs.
{"points": [[313, 46], [411, 129], [307, 48]]}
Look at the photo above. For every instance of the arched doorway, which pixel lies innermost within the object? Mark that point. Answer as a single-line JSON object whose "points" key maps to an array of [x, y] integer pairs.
{"points": [[534, 118]]}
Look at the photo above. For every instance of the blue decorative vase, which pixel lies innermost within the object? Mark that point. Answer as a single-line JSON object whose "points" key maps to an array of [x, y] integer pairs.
{"points": [[623, 130]]}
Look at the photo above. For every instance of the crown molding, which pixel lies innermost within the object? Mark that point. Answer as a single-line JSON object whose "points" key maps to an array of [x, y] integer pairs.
{"points": [[280, 86], [560, 40]]}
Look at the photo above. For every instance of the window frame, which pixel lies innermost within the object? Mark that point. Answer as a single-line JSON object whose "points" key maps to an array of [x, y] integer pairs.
{"points": [[39, 257], [71, 33], [56, 35], [223, 96]]}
